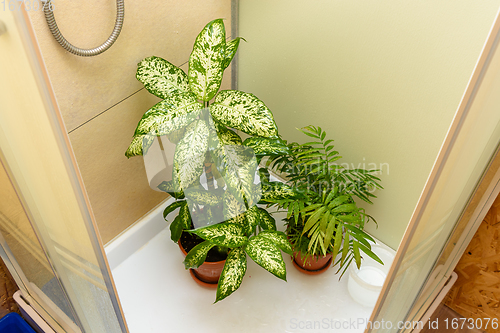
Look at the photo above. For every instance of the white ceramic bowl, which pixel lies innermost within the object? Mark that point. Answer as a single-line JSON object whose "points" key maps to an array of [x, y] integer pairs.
{"points": [[364, 284]]}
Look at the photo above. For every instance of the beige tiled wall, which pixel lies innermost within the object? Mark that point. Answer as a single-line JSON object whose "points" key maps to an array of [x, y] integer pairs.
{"points": [[100, 99]]}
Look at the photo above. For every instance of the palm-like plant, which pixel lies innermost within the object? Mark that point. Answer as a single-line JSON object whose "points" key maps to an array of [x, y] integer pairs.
{"points": [[200, 119], [322, 216]]}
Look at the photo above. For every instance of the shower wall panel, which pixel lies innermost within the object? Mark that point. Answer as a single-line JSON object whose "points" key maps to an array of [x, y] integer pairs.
{"points": [[100, 99], [383, 78]]}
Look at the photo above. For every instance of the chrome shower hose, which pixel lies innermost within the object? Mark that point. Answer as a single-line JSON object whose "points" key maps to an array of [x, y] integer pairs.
{"points": [[51, 21]]}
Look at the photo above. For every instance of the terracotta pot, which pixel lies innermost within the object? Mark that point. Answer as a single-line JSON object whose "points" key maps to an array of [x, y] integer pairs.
{"points": [[207, 275], [313, 264]]}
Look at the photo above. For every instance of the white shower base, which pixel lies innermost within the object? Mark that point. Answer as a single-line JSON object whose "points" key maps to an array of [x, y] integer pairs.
{"points": [[158, 294]]}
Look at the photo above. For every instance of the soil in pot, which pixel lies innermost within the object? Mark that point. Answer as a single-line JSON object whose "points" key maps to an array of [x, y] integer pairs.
{"points": [[312, 265], [208, 273]]}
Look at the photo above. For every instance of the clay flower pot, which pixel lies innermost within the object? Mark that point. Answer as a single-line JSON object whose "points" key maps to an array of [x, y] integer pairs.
{"points": [[313, 264], [208, 274]]}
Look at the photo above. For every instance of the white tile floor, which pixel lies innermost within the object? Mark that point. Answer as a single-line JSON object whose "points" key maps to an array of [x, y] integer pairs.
{"points": [[158, 295]]}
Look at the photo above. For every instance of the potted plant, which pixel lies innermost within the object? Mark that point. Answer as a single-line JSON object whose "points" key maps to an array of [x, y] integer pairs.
{"points": [[213, 178], [323, 218]]}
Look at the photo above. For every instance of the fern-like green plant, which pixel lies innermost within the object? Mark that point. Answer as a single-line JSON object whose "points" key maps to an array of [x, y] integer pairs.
{"points": [[322, 215], [200, 120]]}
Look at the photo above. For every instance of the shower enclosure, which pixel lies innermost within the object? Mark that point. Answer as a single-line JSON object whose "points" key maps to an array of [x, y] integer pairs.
{"points": [[58, 211]]}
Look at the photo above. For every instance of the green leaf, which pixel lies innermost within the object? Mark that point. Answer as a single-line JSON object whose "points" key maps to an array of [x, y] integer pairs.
{"points": [[345, 249], [245, 112], [324, 221], [369, 252], [329, 232], [232, 273], [266, 146], [173, 206], [311, 221], [176, 228], [267, 222], [330, 196], [206, 62], [357, 256], [360, 233], [197, 255], [231, 48], [338, 241], [266, 255], [223, 234], [349, 218], [345, 208], [190, 155], [161, 78], [338, 200], [279, 239]]}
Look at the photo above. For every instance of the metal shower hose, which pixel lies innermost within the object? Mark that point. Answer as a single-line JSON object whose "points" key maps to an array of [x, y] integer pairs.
{"points": [[51, 21]]}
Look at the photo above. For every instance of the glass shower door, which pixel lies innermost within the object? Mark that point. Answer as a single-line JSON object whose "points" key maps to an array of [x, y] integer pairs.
{"points": [[472, 141], [25, 257], [49, 234]]}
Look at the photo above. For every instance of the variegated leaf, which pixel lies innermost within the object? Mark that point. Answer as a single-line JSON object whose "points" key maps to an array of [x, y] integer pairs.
{"points": [[168, 116], [139, 145], [267, 255], [231, 48], [190, 154], [197, 255], [206, 60], [227, 136], [161, 78], [168, 186], [257, 192], [233, 206], [223, 234], [266, 146], [232, 273], [204, 197], [237, 165], [273, 191], [245, 112], [267, 222], [185, 217], [165, 117], [279, 239], [253, 219]]}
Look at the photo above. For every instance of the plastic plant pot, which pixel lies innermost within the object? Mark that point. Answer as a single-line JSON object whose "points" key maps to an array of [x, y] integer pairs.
{"points": [[364, 284]]}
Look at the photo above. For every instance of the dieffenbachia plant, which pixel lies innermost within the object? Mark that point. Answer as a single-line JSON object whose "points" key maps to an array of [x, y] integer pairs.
{"points": [[206, 142]]}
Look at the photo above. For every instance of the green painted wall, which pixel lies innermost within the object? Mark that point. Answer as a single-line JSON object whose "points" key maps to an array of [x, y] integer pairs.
{"points": [[383, 78]]}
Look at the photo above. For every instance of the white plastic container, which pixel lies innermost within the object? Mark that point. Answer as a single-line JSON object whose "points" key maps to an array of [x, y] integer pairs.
{"points": [[364, 284]]}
